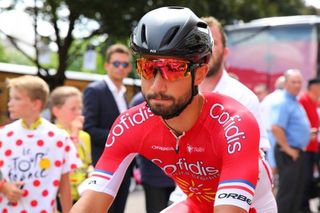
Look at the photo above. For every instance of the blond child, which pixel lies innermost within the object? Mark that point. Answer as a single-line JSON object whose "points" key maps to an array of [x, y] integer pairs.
{"points": [[66, 107], [36, 156]]}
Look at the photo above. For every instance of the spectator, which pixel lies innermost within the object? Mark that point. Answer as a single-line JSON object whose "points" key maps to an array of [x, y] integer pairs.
{"points": [[103, 101], [156, 184], [291, 129], [66, 107], [218, 81], [309, 101], [38, 156], [266, 106], [261, 91]]}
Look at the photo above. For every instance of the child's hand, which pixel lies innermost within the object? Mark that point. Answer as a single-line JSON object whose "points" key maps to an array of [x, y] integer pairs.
{"points": [[77, 125], [13, 191]]}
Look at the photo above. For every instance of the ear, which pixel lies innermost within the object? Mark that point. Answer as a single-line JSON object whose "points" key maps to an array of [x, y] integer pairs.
{"points": [[37, 105], [225, 52], [55, 111], [201, 73], [106, 66]]}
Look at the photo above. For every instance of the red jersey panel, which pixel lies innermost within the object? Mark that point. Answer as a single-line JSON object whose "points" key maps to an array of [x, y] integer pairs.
{"points": [[214, 163]]}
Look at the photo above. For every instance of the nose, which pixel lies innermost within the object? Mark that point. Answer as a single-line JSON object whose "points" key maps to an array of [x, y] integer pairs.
{"points": [[159, 83]]}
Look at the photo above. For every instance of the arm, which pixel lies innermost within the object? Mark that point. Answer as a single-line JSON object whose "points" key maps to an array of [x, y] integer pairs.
{"points": [[228, 209], [65, 193], [91, 113], [281, 139], [13, 191], [92, 201]]}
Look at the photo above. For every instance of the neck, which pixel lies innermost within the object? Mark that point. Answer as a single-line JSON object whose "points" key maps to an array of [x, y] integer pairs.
{"points": [[180, 124], [117, 82], [64, 126], [209, 83], [30, 120]]}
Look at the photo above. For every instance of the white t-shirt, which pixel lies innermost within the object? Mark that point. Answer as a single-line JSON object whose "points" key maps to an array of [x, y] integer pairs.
{"points": [[38, 158], [235, 89], [118, 95]]}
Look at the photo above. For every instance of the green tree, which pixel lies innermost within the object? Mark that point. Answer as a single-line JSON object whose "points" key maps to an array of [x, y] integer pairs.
{"points": [[116, 19]]}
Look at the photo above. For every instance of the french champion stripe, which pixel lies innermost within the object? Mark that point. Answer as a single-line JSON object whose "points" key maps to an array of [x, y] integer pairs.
{"points": [[102, 174], [239, 184]]}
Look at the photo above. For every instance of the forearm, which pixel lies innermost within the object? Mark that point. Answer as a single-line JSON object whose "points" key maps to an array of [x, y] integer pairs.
{"points": [[228, 209], [92, 201], [65, 193], [280, 137]]}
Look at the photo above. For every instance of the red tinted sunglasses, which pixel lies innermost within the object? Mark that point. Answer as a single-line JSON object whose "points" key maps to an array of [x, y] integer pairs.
{"points": [[170, 69]]}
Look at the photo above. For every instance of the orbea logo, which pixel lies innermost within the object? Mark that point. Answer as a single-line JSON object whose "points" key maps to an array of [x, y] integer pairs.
{"points": [[232, 132], [126, 122]]}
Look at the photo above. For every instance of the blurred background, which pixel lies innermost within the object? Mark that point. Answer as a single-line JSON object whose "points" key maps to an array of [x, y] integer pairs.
{"points": [[63, 41]]}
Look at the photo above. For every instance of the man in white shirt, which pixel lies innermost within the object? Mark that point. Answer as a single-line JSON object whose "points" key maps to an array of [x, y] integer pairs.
{"points": [[218, 80], [104, 100]]}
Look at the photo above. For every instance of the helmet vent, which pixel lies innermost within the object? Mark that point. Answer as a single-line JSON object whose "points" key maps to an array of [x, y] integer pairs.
{"points": [[169, 36], [202, 25], [143, 34]]}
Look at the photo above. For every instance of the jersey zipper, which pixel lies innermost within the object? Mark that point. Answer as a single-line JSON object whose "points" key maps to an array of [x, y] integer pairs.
{"points": [[178, 138]]}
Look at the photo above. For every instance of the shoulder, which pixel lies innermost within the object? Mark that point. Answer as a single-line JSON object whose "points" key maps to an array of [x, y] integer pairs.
{"points": [[50, 127], [226, 106], [15, 125], [96, 85], [84, 135], [235, 89]]}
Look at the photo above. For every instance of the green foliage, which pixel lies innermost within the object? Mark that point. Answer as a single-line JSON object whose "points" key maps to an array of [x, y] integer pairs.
{"points": [[118, 18]]}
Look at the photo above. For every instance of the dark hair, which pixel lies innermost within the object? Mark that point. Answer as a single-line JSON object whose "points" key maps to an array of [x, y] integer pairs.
{"points": [[313, 81]]}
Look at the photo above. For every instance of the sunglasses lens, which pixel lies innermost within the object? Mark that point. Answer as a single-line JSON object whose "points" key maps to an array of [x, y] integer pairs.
{"points": [[125, 64], [170, 69], [118, 63]]}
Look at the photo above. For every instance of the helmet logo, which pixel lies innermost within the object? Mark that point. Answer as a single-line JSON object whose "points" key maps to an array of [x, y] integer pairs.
{"points": [[153, 51]]}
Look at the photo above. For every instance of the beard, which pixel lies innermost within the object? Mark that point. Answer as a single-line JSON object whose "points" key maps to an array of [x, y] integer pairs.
{"points": [[215, 67], [168, 112]]}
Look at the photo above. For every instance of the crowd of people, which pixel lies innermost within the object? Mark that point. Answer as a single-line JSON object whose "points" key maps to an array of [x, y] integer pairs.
{"points": [[198, 135]]}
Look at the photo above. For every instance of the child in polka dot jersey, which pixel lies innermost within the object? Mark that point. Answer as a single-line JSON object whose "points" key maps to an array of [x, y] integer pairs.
{"points": [[36, 156], [66, 107]]}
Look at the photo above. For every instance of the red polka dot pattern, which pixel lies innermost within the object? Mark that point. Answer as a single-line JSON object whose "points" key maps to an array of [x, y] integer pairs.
{"points": [[9, 134], [8, 152], [25, 193], [56, 183], [34, 203], [40, 142], [19, 142], [1, 163], [67, 148], [45, 193], [73, 166], [50, 134], [36, 183], [57, 163], [59, 144]]}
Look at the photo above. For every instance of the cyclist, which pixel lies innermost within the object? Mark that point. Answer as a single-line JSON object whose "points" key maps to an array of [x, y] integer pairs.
{"points": [[208, 143]]}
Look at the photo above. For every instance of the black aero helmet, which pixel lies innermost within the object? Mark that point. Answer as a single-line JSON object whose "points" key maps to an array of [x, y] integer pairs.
{"points": [[173, 31]]}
